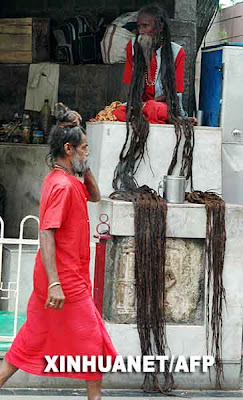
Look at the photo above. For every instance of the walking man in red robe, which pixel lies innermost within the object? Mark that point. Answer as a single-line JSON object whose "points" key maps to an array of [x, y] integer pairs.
{"points": [[61, 316]]}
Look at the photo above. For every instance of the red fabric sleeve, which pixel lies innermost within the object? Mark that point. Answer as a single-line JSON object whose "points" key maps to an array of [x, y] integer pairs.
{"points": [[56, 208], [179, 70], [127, 74]]}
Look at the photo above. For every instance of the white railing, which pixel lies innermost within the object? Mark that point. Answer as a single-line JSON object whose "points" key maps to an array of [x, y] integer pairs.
{"points": [[13, 287]]}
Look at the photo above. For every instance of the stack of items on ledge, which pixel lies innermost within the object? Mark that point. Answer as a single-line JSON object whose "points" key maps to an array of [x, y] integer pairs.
{"points": [[30, 128], [107, 113]]}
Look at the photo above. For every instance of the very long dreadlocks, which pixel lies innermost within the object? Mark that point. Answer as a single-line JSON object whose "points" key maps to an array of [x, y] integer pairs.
{"points": [[150, 267], [149, 207]]}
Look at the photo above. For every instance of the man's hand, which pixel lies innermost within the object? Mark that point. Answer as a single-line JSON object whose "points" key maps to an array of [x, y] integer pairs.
{"points": [[192, 120], [55, 298], [92, 186], [160, 98]]}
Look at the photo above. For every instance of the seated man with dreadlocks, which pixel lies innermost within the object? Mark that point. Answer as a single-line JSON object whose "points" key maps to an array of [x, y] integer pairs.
{"points": [[154, 69]]}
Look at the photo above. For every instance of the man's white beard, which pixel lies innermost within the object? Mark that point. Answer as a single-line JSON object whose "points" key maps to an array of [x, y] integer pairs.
{"points": [[78, 165], [146, 42]]}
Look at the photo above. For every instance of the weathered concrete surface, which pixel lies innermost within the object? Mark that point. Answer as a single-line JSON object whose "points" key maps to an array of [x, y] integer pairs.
{"points": [[13, 81], [197, 380], [90, 88], [185, 10], [86, 88], [184, 33], [184, 280], [22, 170]]}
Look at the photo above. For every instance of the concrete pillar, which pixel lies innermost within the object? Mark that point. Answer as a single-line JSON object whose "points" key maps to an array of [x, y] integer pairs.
{"points": [[186, 10]]}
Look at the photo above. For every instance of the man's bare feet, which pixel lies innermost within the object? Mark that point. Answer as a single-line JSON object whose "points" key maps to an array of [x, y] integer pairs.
{"points": [[193, 120], [94, 390], [6, 370]]}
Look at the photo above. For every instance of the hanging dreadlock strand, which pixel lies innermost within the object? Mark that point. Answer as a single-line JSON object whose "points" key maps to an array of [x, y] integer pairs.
{"points": [[215, 251], [150, 237], [150, 278], [137, 129], [187, 155]]}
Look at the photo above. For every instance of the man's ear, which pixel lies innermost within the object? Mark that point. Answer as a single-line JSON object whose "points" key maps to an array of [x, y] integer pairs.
{"points": [[68, 149]]}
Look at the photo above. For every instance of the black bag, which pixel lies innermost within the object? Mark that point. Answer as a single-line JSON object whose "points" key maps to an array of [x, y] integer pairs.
{"points": [[64, 48], [78, 41]]}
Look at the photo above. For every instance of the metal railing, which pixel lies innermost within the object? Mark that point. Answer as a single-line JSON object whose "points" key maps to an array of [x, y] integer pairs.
{"points": [[13, 287]]}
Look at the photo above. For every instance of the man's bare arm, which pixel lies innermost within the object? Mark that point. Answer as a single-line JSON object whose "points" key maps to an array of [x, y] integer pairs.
{"points": [[92, 186], [55, 296]]}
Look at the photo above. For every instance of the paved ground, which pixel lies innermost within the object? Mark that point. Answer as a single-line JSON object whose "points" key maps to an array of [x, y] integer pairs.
{"points": [[67, 394], [85, 398]]}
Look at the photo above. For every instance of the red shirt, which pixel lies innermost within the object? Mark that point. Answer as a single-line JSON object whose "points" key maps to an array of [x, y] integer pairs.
{"points": [[149, 91], [64, 206]]}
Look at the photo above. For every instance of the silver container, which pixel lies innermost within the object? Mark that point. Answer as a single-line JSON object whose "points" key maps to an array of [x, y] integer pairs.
{"points": [[173, 188], [200, 117]]}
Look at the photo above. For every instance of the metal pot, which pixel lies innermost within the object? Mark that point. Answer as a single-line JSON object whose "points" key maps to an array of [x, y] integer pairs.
{"points": [[173, 188]]}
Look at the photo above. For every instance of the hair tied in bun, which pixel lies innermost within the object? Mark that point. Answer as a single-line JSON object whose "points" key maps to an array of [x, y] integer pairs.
{"points": [[65, 116]]}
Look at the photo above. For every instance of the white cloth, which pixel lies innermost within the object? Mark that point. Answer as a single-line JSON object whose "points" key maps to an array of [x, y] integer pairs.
{"points": [[43, 82]]}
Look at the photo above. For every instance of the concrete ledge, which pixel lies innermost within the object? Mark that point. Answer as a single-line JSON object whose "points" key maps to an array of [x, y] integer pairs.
{"points": [[195, 380]]}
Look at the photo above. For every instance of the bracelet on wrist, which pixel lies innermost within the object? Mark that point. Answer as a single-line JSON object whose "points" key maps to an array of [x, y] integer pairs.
{"points": [[54, 284]]}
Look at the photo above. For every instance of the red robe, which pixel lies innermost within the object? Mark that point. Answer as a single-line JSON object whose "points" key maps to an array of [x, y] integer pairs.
{"points": [[76, 329]]}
